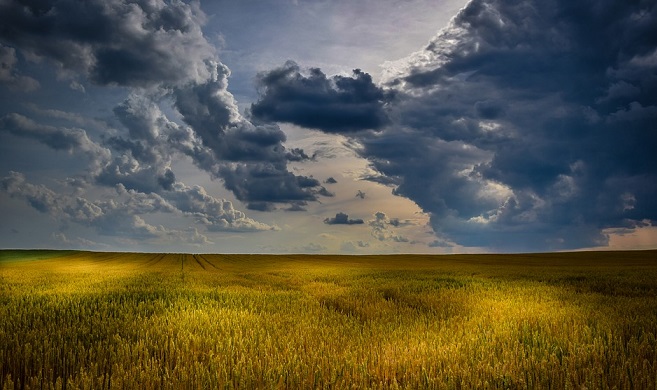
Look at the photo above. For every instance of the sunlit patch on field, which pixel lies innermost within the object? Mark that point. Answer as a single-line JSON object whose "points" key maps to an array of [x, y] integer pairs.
{"points": [[109, 320]]}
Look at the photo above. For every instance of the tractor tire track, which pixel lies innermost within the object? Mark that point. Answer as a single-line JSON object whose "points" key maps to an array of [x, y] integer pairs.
{"points": [[199, 262], [155, 260], [207, 261]]}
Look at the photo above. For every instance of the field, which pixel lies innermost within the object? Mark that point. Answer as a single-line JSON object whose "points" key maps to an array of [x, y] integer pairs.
{"points": [[83, 320]]}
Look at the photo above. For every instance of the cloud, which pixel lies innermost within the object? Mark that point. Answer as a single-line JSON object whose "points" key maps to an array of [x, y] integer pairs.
{"points": [[313, 248], [324, 192], [198, 238], [142, 117], [111, 217], [208, 107], [9, 76], [77, 242], [532, 178], [142, 159], [330, 180], [127, 171], [297, 206], [520, 126], [261, 206], [158, 51], [39, 197], [71, 140], [342, 219], [71, 117], [113, 42], [215, 214], [440, 243], [336, 104], [250, 158], [381, 228], [76, 86], [297, 154], [122, 215], [353, 246]]}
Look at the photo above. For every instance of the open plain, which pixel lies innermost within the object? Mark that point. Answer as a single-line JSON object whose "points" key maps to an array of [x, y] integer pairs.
{"points": [[90, 320]]}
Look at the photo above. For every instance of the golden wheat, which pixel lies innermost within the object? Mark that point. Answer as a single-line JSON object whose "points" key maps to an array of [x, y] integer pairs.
{"points": [[81, 320]]}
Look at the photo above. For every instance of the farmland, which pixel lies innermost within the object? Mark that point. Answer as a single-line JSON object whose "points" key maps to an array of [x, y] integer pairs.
{"points": [[87, 320]]}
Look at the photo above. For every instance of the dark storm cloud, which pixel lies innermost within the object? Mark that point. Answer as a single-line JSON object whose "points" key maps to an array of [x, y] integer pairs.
{"points": [[297, 206], [336, 104], [324, 192], [167, 180], [156, 49], [158, 45], [529, 125], [330, 180], [489, 109], [261, 206], [297, 154], [257, 169], [140, 43], [265, 182], [343, 219], [525, 125], [139, 150], [250, 159], [10, 76]]}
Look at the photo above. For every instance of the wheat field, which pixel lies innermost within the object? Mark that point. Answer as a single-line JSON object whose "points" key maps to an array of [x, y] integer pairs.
{"points": [[85, 320]]}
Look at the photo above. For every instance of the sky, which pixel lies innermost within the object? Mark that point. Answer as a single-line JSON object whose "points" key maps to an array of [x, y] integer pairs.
{"points": [[316, 126]]}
